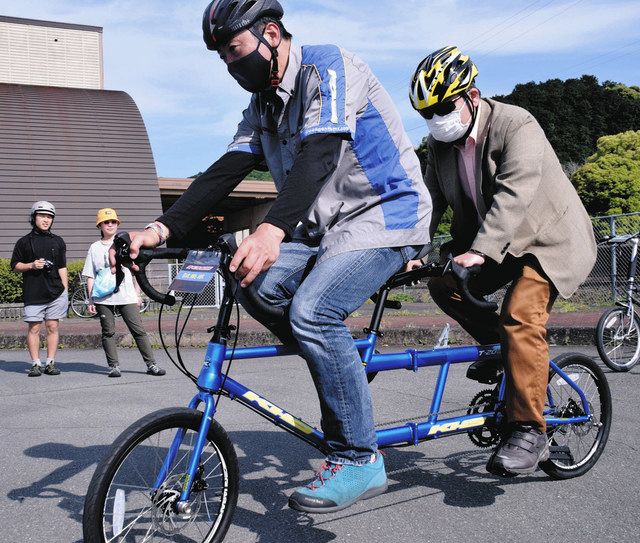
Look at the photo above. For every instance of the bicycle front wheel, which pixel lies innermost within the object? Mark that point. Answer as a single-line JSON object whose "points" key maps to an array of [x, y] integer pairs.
{"points": [[122, 503], [575, 448], [80, 303], [618, 338]]}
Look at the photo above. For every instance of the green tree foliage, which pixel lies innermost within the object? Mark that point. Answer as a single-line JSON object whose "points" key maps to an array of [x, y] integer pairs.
{"points": [[10, 283], [609, 181], [576, 112]]}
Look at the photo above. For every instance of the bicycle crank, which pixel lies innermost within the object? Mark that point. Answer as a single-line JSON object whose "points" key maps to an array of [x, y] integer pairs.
{"points": [[484, 401]]}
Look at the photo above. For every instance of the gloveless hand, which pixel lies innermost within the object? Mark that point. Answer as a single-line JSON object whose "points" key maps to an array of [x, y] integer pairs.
{"points": [[469, 259], [257, 253]]}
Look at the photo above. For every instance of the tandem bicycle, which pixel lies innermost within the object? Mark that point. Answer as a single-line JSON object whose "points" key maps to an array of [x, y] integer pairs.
{"points": [[173, 475]]}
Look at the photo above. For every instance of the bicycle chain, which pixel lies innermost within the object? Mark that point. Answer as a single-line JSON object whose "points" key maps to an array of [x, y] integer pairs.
{"points": [[478, 436]]}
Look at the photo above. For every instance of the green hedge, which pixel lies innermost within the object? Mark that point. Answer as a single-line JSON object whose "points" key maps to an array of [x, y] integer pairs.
{"points": [[11, 282]]}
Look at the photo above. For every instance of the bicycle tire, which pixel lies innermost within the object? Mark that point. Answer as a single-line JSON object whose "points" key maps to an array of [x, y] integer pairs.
{"points": [[80, 304], [582, 444], [145, 304], [123, 483], [618, 339], [141, 309]]}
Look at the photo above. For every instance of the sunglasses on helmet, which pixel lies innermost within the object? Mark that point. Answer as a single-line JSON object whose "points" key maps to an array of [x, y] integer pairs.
{"points": [[443, 108]]}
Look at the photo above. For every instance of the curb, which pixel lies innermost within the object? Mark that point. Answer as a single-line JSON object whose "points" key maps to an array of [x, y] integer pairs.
{"points": [[407, 336]]}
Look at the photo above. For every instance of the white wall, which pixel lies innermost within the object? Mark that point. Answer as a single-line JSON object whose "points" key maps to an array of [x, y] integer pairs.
{"points": [[35, 54]]}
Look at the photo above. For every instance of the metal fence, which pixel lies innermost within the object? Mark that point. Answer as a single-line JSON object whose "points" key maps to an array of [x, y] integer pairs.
{"points": [[605, 283], [607, 279], [212, 294]]}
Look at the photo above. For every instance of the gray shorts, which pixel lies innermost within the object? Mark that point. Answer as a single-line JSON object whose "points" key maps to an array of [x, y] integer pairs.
{"points": [[53, 311]]}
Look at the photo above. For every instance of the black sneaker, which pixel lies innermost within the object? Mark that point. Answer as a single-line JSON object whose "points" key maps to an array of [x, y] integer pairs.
{"points": [[153, 369], [485, 371], [520, 452], [35, 371], [50, 369]]}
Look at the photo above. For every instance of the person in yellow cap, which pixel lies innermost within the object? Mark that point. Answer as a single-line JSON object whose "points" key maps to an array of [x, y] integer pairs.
{"points": [[104, 302]]}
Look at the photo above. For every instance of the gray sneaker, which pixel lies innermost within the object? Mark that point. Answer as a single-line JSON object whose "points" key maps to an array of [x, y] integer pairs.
{"points": [[154, 369], [520, 452], [35, 371], [115, 371], [50, 369]]}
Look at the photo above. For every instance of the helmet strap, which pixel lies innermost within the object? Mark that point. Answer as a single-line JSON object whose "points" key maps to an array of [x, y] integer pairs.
{"points": [[274, 80], [474, 115]]}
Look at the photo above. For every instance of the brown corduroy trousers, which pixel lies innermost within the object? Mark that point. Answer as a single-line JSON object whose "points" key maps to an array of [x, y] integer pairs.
{"points": [[520, 328]]}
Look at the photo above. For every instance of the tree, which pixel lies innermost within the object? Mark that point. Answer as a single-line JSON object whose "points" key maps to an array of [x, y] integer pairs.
{"points": [[576, 112], [609, 182]]}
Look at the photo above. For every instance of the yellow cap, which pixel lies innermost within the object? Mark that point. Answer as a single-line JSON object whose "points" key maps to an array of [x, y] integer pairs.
{"points": [[106, 214]]}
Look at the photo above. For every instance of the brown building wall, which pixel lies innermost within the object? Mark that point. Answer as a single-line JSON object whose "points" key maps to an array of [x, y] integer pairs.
{"points": [[81, 150]]}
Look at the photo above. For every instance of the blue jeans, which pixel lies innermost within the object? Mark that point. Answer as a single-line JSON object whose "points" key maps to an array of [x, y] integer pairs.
{"points": [[319, 298]]}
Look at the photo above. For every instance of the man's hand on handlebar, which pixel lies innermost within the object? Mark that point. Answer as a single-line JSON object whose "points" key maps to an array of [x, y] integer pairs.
{"points": [[147, 238], [469, 259], [413, 264], [256, 253]]}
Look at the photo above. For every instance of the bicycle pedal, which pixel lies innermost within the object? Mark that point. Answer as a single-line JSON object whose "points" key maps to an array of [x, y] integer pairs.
{"points": [[561, 453]]}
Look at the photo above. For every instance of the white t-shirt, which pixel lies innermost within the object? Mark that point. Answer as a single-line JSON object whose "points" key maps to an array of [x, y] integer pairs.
{"points": [[98, 258]]}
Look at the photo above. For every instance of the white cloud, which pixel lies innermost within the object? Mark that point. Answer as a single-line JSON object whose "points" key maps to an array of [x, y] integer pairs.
{"points": [[153, 50]]}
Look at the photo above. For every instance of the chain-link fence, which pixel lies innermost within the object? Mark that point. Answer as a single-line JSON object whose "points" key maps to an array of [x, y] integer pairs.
{"points": [[608, 277], [605, 283]]}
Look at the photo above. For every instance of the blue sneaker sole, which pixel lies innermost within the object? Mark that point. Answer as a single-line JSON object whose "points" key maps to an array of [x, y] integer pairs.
{"points": [[371, 493]]}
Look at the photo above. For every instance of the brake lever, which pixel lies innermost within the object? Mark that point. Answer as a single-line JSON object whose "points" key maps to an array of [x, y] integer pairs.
{"points": [[121, 243]]}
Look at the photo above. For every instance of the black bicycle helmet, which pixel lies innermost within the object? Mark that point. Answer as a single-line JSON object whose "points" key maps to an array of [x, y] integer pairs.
{"points": [[223, 19]]}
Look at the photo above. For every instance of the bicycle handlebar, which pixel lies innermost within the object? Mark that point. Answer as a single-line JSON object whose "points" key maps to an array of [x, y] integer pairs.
{"points": [[617, 240], [227, 246], [122, 244]]}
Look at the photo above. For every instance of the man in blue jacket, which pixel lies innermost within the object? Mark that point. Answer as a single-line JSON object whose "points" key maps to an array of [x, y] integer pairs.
{"points": [[351, 210]]}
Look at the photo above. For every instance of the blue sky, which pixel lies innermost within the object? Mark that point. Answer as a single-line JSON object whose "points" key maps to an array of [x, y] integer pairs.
{"points": [[153, 50]]}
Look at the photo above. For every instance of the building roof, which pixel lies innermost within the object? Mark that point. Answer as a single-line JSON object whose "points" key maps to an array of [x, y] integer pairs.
{"points": [[249, 188], [50, 24], [81, 149], [247, 194]]}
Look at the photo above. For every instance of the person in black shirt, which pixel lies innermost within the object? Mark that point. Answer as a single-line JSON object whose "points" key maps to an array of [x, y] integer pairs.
{"points": [[41, 258]]}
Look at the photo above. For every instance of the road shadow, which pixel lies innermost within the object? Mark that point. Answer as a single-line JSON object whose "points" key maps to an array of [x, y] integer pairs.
{"points": [[272, 464], [13, 366]]}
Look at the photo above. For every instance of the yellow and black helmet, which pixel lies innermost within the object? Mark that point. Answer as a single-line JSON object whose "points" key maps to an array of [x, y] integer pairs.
{"points": [[440, 77]]}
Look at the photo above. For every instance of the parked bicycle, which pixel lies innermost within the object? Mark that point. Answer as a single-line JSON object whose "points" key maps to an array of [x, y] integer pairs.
{"points": [[618, 330], [79, 300], [173, 475]]}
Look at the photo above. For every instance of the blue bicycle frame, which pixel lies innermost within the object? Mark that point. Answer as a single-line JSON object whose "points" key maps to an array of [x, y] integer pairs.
{"points": [[211, 380]]}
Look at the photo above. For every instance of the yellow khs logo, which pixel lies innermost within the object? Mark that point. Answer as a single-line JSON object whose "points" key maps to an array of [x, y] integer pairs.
{"points": [[457, 425], [290, 420]]}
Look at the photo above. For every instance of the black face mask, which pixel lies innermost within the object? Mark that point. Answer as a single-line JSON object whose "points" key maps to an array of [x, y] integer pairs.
{"points": [[253, 72]]}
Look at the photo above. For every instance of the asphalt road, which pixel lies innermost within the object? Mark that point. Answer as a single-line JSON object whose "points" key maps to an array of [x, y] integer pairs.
{"points": [[54, 429]]}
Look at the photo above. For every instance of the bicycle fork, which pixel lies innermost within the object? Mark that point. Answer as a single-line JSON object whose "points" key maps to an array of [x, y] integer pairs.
{"points": [[210, 380]]}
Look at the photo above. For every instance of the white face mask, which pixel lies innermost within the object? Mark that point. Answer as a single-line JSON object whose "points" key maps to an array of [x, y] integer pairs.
{"points": [[447, 128]]}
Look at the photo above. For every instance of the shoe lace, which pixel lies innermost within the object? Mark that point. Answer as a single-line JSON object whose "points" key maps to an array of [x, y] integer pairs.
{"points": [[320, 479]]}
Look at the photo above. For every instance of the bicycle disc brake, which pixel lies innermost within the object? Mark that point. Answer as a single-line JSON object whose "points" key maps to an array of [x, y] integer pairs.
{"points": [[482, 402]]}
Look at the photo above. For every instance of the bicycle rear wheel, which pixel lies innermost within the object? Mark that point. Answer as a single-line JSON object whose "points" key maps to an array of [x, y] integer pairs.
{"points": [[80, 303], [618, 338], [575, 448], [122, 505]]}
